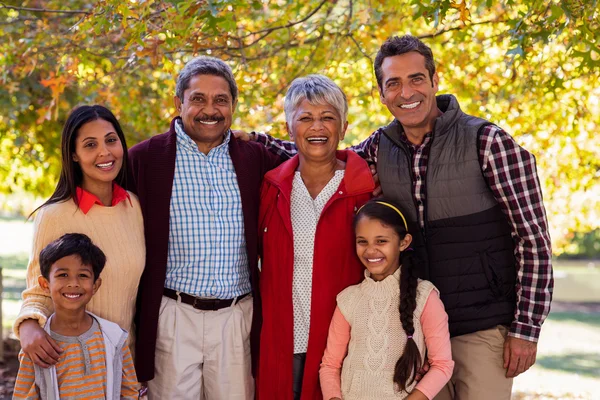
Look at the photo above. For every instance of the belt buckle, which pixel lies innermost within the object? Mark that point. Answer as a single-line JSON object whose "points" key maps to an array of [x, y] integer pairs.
{"points": [[205, 304]]}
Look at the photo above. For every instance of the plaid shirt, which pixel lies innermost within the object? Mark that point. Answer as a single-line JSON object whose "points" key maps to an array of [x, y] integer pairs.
{"points": [[207, 248], [511, 174]]}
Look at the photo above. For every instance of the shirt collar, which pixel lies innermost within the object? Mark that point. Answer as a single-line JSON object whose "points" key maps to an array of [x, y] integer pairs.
{"points": [[186, 141], [405, 140], [87, 200]]}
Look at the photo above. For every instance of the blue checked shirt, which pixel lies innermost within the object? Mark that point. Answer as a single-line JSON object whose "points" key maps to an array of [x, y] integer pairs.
{"points": [[207, 248]]}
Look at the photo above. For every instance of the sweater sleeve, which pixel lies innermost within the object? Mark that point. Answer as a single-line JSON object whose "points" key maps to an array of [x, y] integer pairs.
{"points": [[129, 383], [37, 303], [330, 373], [25, 387], [434, 322]]}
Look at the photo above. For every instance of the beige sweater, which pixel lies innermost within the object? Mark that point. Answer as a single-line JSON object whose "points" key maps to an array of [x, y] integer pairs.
{"points": [[377, 338], [118, 231]]}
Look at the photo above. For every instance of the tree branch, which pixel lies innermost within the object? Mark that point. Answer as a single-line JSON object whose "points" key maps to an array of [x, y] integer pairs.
{"points": [[289, 24], [44, 10], [301, 70], [267, 32], [240, 41], [368, 57], [455, 28], [350, 13]]}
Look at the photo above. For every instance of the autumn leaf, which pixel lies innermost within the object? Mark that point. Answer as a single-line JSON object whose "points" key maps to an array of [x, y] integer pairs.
{"points": [[56, 84], [12, 87], [465, 16]]}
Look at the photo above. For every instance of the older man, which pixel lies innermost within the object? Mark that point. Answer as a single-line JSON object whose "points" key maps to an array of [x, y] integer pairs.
{"points": [[475, 195], [199, 191]]}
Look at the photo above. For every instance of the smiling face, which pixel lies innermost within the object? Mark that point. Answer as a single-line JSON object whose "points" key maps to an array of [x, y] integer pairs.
{"points": [[206, 110], [409, 93], [317, 130], [99, 153], [70, 283], [378, 247]]}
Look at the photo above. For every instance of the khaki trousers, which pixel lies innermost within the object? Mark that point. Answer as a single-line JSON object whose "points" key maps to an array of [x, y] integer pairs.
{"points": [[203, 354], [478, 369]]}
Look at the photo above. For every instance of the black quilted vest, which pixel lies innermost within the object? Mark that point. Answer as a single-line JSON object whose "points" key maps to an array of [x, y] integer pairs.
{"points": [[466, 242]]}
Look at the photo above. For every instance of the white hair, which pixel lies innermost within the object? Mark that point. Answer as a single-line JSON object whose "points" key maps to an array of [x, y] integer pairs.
{"points": [[318, 90]]}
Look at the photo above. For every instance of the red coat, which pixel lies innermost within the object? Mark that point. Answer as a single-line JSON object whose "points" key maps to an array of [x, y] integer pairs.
{"points": [[335, 267]]}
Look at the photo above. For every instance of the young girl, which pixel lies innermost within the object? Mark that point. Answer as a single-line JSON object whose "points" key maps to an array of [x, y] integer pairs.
{"points": [[382, 327]]}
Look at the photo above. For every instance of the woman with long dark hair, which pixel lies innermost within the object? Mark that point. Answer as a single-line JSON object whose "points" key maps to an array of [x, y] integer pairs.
{"points": [[89, 198], [382, 326]]}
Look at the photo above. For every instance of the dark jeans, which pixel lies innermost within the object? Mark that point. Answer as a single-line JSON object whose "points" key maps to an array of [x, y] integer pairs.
{"points": [[298, 371]]}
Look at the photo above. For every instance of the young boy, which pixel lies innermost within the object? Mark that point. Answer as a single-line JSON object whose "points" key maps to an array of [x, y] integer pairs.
{"points": [[95, 362]]}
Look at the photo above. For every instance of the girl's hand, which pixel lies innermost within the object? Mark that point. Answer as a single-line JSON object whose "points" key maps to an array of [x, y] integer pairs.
{"points": [[416, 395], [38, 345], [422, 371]]}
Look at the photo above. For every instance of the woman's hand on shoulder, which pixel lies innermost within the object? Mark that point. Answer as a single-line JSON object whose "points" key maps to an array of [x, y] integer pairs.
{"points": [[38, 345]]}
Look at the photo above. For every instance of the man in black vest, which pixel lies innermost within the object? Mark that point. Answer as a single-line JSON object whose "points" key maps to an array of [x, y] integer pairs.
{"points": [[475, 195], [473, 198]]}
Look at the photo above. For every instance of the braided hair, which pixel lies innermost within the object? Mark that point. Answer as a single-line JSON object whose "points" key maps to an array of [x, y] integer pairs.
{"points": [[389, 214]]}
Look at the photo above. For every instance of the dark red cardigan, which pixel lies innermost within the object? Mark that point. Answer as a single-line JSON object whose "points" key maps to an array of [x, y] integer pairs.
{"points": [[150, 176]]}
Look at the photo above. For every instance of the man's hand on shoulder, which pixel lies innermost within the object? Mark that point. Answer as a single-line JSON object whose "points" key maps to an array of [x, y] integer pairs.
{"points": [[519, 355], [377, 191], [243, 135]]}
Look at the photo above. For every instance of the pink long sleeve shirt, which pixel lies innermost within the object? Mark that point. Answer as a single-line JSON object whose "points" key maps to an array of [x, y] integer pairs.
{"points": [[434, 322]]}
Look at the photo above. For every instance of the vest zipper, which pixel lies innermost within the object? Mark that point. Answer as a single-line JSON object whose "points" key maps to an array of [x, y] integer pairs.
{"points": [[406, 152], [427, 180]]}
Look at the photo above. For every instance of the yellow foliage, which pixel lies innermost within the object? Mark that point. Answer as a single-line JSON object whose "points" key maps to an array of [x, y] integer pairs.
{"points": [[530, 67]]}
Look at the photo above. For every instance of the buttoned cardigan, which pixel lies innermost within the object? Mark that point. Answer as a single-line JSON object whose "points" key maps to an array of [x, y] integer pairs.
{"points": [[150, 175]]}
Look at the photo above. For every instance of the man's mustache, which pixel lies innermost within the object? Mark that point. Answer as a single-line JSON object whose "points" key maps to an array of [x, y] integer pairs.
{"points": [[209, 118]]}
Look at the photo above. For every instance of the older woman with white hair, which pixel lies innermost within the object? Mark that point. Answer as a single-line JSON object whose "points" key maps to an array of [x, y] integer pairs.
{"points": [[308, 257]]}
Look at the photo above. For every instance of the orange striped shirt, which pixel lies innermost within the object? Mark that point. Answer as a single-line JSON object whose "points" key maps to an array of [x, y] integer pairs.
{"points": [[81, 369]]}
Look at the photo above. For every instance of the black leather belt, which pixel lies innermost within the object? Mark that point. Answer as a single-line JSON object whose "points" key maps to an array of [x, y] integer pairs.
{"points": [[202, 303]]}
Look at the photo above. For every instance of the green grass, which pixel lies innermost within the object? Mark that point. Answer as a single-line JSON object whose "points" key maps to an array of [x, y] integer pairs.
{"points": [[4, 219], [19, 273], [11, 262], [591, 319], [568, 359], [15, 240], [14, 269], [581, 364], [577, 269], [10, 310]]}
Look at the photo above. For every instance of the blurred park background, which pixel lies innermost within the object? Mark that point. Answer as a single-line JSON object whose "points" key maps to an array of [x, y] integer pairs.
{"points": [[532, 67]]}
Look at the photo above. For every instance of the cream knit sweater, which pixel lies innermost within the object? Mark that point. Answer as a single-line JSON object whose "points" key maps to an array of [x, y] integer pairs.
{"points": [[118, 231], [377, 338]]}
